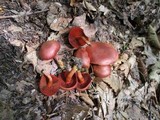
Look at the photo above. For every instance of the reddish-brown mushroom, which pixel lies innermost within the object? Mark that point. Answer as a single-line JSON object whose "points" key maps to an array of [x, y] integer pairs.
{"points": [[101, 53], [68, 79], [49, 49], [77, 37], [83, 55], [84, 81], [102, 70], [49, 84]]}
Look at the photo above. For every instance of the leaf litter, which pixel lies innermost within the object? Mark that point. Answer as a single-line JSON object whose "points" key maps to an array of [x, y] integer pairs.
{"points": [[119, 96]]}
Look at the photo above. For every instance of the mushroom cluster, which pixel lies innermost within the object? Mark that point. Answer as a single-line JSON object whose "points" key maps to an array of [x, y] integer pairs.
{"points": [[96, 54], [99, 55]]}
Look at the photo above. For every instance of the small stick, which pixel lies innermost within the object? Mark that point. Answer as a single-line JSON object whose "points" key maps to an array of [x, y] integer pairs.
{"points": [[16, 16]]}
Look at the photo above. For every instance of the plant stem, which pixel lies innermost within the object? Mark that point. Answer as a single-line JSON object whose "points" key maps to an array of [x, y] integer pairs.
{"points": [[70, 75]]}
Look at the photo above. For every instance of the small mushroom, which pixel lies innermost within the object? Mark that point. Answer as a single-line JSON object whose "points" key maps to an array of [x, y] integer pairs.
{"points": [[49, 49], [102, 53], [83, 55], [84, 81], [77, 37], [68, 79], [49, 84], [102, 70]]}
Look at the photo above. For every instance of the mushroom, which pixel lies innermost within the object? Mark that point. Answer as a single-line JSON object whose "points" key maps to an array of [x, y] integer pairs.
{"points": [[49, 49], [83, 55], [68, 79], [101, 53], [102, 70], [77, 37], [49, 84], [84, 81]]}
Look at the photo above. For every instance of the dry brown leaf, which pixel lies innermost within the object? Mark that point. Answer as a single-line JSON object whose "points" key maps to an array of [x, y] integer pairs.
{"points": [[72, 2], [88, 6], [113, 81], [136, 42], [31, 57], [44, 66], [111, 105], [102, 110], [86, 98], [54, 36], [14, 28], [132, 61], [103, 9], [60, 23], [125, 67], [89, 29], [18, 43], [107, 100], [127, 64], [80, 20]]}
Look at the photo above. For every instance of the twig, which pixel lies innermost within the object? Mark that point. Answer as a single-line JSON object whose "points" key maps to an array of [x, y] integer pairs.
{"points": [[25, 14]]}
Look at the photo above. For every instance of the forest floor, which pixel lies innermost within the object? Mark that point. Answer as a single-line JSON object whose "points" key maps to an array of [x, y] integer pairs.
{"points": [[131, 92]]}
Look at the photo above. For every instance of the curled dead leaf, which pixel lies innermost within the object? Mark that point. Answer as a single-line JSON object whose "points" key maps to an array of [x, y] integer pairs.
{"points": [[136, 42], [80, 20], [103, 9], [86, 98], [153, 38], [60, 23], [88, 6], [14, 28], [113, 81], [31, 57], [44, 66]]}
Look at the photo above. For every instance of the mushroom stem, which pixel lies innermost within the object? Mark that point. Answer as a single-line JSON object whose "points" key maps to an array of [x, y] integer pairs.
{"points": [[85, 40], [80, 77], [70, 75], [50, 81]]}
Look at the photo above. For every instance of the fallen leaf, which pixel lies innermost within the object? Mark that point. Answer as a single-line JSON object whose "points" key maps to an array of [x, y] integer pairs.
{"points": [[107, 100], [142, 69], [14, 28], [103, 9], [44, 66], [154, 73], [80, 20], [72, 2], [102, 110], [86, 98], [74, 111], [88, 6], [113, 81], [18, 43], [135, 113], [88, 29], [151, 57], [153, 38], [31, 57], [136, 42], [54, 36], [125, 67], [59, 24]]}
